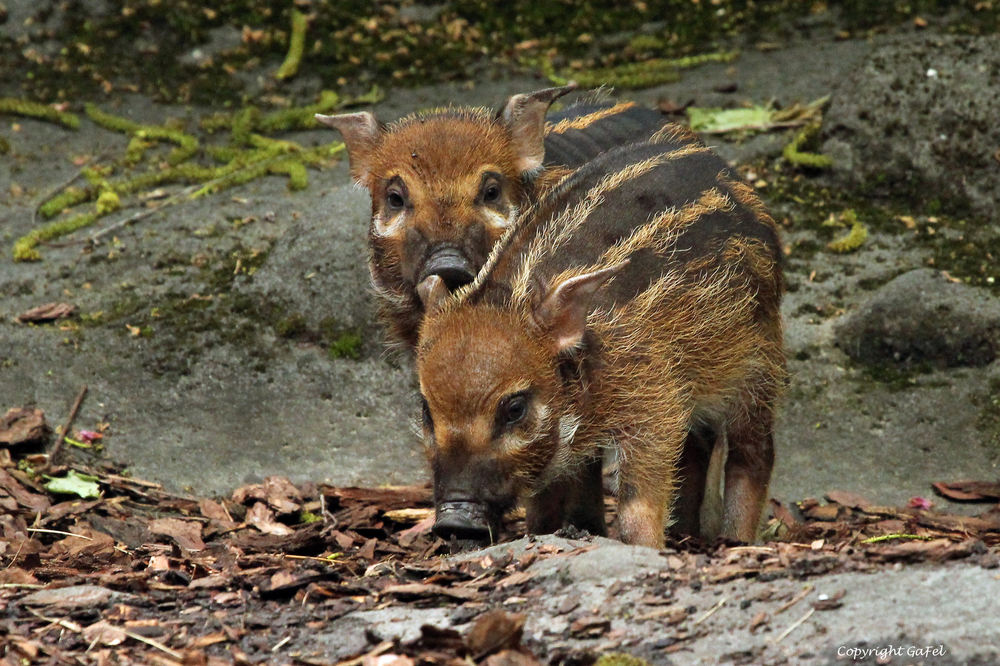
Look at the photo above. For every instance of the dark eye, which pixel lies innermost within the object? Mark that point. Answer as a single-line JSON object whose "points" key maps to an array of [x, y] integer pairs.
{"points": [[491, 193], [395, 199], [514, 409], [428, 421]]}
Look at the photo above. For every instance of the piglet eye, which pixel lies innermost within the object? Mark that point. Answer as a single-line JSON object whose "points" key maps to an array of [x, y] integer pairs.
{"points": [[395, 199], [515, 409], [491, 193]]}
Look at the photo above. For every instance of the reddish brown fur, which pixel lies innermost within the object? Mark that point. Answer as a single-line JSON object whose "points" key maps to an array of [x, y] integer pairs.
{"points": [[439, 165], [633, 356]]}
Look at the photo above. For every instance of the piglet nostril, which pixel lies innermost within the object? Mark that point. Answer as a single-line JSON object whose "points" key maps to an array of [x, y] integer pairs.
{"points": [[463, 520], [451, 266]]}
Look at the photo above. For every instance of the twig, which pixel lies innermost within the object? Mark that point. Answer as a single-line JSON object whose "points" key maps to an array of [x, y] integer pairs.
{"points": [[56, 450], [886, 537], [796, 599], [38, 529], [29, 586], [795, 624], [710, 611], [72, 626], [282, 642], [149, 641]]}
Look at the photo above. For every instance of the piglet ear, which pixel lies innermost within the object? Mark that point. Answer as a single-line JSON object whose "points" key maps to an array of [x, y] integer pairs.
{"points": [[362, 135], [524, 118], [564, 309], [433, 292]]}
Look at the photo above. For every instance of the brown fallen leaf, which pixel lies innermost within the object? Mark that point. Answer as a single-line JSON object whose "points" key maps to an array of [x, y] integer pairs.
{"points": [[495, 631], [367, 551], [969, 491], [47, 312], [824, 512], [208, 639], [104, 633], [911, 550], [261, 517], [412, 590], [511, 658], [758, 621], [25, 498], [848, 499], [186, 533], [21, 424], [591, 626], [782, 513], [215, 511], [406, 537], [77, 596]]}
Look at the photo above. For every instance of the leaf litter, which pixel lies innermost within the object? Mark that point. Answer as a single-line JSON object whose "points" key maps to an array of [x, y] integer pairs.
{"points": [[139, 575]]}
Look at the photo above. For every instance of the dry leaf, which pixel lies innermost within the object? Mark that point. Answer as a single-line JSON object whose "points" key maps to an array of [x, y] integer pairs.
{"points": [[20, 425], [47, 312], [186, 533]]}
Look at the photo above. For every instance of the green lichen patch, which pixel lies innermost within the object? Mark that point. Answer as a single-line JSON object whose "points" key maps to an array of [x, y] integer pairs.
{"points": [[347, 345], [892, 376]]}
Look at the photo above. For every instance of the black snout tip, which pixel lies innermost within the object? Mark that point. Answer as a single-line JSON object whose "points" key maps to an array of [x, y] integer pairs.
{"points": [[454, 277], [459, 524], [451, 265]]}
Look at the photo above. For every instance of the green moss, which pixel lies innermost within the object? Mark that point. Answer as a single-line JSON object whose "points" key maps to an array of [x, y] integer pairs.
{"points": [[298, 179], [854, 238], [187, 145], [21, 107], [347, 345], [68, 198], [291, 327], [24, 247], [795, 154], [896, 377], [108, 202], [4, 145], [296, 45]]}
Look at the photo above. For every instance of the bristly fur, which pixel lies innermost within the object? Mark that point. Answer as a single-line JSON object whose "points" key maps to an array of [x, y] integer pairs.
{"points": [[685, 337], [434, 164]]}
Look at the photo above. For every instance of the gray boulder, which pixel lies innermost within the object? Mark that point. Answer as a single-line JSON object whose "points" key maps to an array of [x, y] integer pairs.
{"points": [[920, 117], [921, 317]]}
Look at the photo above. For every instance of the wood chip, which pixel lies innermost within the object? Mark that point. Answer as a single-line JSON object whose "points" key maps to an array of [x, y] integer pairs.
{"points": [[47, 312], [23, 425]]}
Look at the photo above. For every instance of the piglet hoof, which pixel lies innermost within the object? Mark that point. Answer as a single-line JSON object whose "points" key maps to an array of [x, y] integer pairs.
{"points": [[465, 521]]}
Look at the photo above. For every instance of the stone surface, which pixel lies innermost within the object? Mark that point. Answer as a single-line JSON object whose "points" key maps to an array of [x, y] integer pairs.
{"points": [[920, 116], [923, 317]]}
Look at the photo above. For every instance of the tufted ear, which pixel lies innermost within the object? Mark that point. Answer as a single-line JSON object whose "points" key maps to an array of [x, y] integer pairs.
{"points": [[433, 292], [362, 135], [524, 118], [564, 309]]}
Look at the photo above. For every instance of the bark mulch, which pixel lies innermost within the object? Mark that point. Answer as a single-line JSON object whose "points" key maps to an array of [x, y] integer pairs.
{"points": [[138, 575]]}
